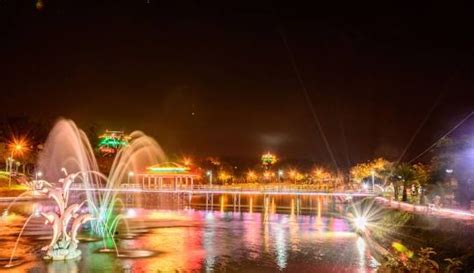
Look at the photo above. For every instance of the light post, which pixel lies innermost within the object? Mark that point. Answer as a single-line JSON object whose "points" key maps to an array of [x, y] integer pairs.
{"points": [[17, 166], [10, 159], [373, 180], [280, 175], [17, 148], [10, 167], [130, 174], [209, 173]]}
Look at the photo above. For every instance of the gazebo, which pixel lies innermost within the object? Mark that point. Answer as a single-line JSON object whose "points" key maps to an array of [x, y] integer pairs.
{"points": [[167, 175]]}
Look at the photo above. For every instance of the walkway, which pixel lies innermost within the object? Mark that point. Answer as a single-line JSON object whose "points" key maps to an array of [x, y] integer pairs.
{"points": [[442, 212]]}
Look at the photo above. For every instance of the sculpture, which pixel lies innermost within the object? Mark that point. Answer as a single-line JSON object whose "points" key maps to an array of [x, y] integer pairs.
{"points": [[63, 245]]}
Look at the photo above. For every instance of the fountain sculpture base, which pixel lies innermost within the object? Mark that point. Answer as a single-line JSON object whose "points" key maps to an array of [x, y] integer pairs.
{"points": [[59, 253], [62, 254]]}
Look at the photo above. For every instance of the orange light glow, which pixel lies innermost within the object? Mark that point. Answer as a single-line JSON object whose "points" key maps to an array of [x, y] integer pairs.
{"points": [[18, 146], [224, 176], [251, 176]]}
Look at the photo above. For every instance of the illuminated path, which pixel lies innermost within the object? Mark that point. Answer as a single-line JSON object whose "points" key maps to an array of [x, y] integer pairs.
{"points": [[223, 190], [442, 212]]}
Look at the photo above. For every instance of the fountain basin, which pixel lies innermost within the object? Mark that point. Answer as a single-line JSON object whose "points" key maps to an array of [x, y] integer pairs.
{"points": [[15, 261], [62, 254]]}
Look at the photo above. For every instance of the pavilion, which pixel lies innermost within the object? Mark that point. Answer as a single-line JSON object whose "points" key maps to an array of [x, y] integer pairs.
{"points": [[167, 175]]}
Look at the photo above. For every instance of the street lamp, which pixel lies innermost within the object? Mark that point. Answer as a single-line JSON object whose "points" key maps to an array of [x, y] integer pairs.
{"points": [[209, 173], [16, 147], [130, 174], [17, 166], [280, 175]]}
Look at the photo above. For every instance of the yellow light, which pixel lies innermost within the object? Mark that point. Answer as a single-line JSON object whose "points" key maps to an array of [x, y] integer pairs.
{"points": [[18, 146], [224, 176], [251, 176]]}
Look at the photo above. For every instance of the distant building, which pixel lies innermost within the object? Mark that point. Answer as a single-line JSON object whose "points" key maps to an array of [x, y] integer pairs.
{"points": [[166, 175], [111, 141]]}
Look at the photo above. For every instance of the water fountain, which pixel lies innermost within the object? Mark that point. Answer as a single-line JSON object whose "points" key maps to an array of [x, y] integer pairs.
{"points": [[67, 158], [142, 151]]}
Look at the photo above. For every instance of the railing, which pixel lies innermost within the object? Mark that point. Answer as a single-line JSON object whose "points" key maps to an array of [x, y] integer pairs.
{"points": [[428, 209], [248, 188], [227, 187]]}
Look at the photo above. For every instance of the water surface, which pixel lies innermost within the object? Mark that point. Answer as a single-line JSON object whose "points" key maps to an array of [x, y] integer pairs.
{"points": [[217, 233]]}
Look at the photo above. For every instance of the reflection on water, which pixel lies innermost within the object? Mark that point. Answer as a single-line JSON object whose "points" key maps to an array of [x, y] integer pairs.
{"points": [[194, 234]]}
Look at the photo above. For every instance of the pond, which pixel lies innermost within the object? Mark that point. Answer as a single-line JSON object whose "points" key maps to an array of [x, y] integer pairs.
{"points": [[218, 233]]}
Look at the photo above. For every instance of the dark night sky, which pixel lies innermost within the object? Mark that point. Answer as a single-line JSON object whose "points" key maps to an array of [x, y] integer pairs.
{"points": [[372, 73]]}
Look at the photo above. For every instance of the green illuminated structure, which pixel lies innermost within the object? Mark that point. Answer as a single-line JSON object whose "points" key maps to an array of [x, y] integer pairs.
{"points": [[111, 141]]}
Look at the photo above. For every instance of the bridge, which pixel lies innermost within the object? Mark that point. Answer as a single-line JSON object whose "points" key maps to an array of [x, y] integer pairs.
{"points": [[215, 189]]}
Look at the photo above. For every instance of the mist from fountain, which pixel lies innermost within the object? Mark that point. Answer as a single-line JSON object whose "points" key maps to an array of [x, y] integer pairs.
{"points": [[67, 148], [142, 151]]}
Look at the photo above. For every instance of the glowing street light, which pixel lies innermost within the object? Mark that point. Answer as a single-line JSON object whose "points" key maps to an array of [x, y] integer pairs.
{"points": [[251, 176], [280, 175], [16, 147], [224, 176], [130, 175], [209, 174]]}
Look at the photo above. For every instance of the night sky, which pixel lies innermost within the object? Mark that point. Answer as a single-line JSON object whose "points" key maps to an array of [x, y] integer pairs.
{"points": [[215, 78]]}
